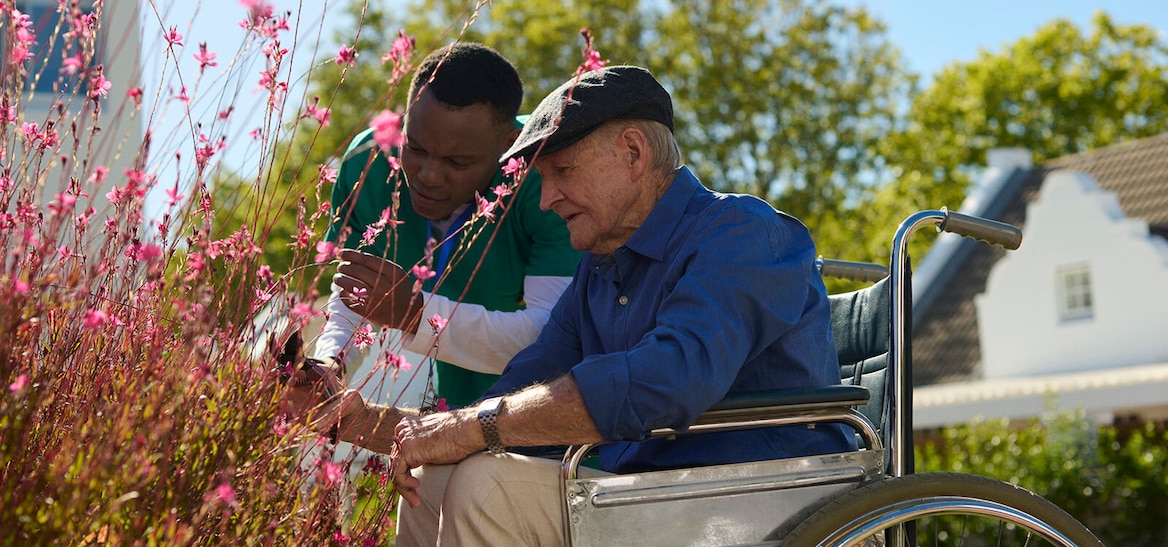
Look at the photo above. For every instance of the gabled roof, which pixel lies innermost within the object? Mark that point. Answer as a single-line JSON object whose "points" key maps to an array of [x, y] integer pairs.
{"points": [[945, 335]]}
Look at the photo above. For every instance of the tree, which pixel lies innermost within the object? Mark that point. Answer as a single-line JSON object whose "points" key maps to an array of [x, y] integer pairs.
{"points": [[1056, 93], [780, 98]]}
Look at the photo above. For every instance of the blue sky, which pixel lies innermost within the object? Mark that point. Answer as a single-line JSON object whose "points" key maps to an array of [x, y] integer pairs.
{"points": [[934, 33]]}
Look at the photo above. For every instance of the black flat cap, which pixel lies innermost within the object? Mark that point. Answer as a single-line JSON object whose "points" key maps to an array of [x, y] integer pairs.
{"points": [[596, 97]]}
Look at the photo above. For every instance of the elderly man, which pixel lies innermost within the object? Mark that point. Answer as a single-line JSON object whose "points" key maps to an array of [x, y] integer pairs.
{"points": [[683, 296]]}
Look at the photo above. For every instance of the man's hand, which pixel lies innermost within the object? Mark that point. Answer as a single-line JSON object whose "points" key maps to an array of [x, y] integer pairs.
{"points": [[316, 386], [379, 290], [443, 437]]}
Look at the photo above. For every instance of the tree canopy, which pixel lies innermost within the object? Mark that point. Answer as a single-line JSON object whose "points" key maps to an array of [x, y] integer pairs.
{"points": [[806, 104]]}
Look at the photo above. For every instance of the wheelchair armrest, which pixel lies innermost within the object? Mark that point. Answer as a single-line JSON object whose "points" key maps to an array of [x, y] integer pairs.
{"points": [[778, 407], [834, 395], [763, 404]]}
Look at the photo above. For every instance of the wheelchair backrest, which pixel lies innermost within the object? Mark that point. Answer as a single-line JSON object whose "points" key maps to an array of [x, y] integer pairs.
{"points": [[861, 324]]}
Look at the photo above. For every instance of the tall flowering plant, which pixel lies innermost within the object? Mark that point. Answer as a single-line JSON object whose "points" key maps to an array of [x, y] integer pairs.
{"points": [[140, 397], [137, 401]]}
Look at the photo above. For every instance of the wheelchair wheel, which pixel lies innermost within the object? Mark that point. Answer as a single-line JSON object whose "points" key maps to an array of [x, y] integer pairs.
{"points": [[941, 509]]}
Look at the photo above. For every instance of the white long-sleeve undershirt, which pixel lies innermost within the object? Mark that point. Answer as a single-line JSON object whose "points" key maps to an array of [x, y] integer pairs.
{"points": [[474, 338]]}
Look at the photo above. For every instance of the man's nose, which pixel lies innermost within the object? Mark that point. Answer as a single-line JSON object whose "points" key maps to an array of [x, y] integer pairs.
{"points": [[548, 195]]}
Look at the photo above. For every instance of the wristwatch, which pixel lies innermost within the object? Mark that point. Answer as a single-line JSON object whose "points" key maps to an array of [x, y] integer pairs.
{"points": [[488, 412]]}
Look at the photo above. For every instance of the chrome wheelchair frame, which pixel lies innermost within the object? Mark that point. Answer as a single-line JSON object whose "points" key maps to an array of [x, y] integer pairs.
{"points": [[867, 497]]}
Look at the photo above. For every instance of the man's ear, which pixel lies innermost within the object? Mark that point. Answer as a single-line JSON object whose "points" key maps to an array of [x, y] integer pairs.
{"points": [[635, 147]]}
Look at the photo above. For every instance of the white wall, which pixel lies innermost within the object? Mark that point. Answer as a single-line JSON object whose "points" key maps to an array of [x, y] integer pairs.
{"points": [[116, 145], [1073, 221]]}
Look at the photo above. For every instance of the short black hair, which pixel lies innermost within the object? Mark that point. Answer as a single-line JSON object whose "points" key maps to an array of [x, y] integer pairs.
{"points": [[467, 73]]}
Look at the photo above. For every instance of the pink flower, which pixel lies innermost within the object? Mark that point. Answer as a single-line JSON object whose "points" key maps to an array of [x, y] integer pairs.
{"points": [[173, 37], [387, 130], [224, 494], [136, 95], [437, 322], [346, 56], [327, 174], [325, 251], [99, 174], [99, 86], [31, 131], [321, 114], [281, 427], [182, 95], [486, 208], [302, 312], [441, 405], [258, 11], [501, 190], [397, 362], [514, 165], [592, 59], [173, 197], [204, 57], [94, 319], [20, 287], [330, 471], [264, 272], [20, 383], [423, 272], [20, 54], [400, 49], [363, 337], [370, 235], [144, 252], [72, 65]]}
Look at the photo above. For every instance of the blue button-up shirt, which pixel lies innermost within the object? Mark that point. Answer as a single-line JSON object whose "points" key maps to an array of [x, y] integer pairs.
{"points": [[714, 294]]}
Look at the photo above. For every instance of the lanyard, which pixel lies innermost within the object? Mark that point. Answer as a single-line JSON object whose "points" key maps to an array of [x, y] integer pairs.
{"points": [[447, 243]]}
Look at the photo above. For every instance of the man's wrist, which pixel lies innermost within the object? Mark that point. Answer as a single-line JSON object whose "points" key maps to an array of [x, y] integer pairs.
{"points": [[487, 414]]}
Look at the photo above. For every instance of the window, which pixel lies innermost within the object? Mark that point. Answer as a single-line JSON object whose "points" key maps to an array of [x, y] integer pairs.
{"points": [[1075, 299], [46, 22]]}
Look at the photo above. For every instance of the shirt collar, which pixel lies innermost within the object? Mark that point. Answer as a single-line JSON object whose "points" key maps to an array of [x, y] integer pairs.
{"points": [[656, 231]]}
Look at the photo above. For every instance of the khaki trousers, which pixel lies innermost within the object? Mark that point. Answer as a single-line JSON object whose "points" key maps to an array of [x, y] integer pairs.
{"points": [[486, 500]]}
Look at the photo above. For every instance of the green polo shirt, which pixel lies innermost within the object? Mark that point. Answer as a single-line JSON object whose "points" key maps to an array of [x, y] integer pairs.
{"points": [[524, 241]]}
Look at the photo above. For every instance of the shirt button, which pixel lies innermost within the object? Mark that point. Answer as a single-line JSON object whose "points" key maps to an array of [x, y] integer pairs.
{"points": [[624, 300]]}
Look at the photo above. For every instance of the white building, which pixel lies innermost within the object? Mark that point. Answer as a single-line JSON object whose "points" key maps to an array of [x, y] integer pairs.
{"points": [[49, 95], [1076, 318]]}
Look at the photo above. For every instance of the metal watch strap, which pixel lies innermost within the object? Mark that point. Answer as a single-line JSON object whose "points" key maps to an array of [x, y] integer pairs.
{"points": [[488, 413]]}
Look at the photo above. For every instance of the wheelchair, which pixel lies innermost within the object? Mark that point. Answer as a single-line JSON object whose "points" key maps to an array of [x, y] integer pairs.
{"points": [[868, 497]]}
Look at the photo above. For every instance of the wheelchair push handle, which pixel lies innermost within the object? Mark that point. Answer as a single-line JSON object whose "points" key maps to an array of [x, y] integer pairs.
{"points": [[847, 269], [981, 229]]}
